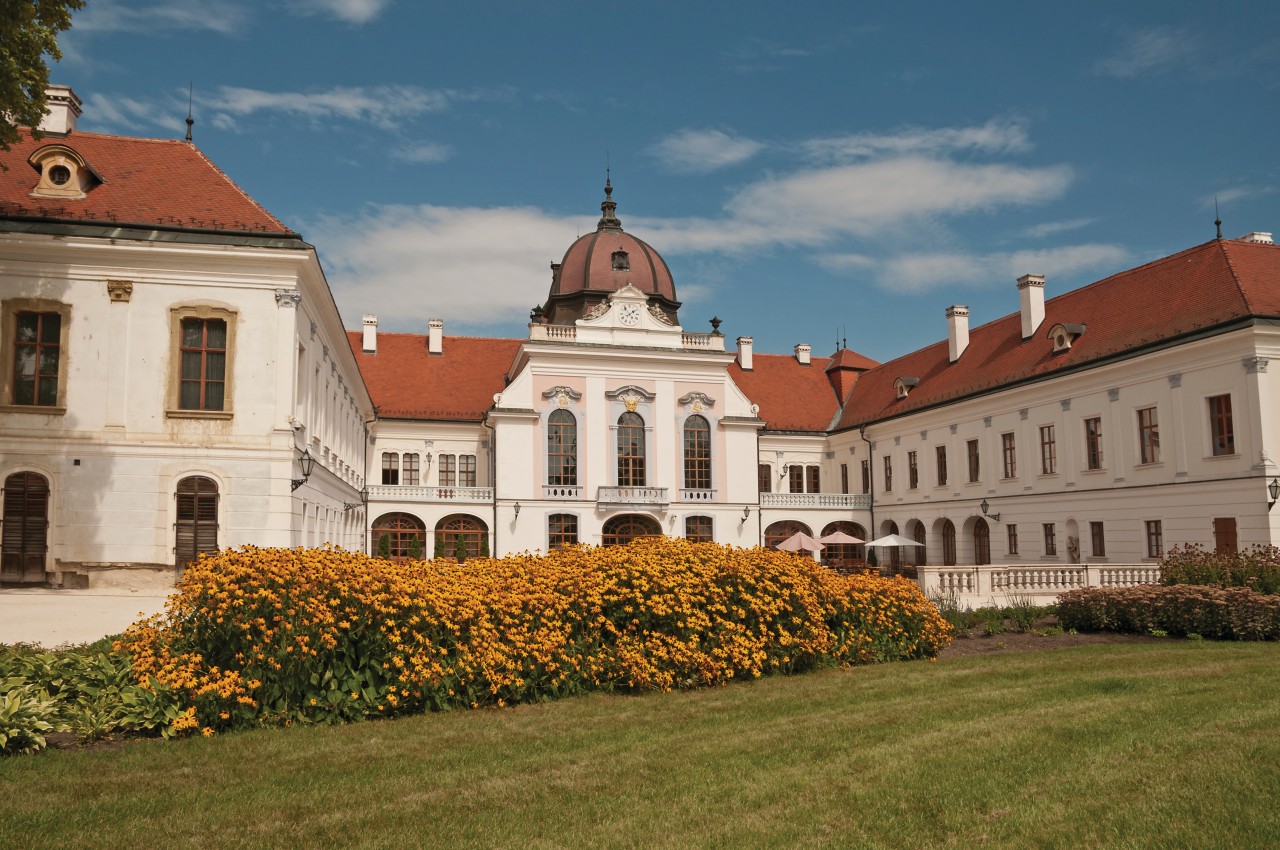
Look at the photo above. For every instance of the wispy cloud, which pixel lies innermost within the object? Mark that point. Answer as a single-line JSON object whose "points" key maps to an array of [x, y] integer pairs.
{"points": [[1148, 53], [703, 150], [1236, 193], [997, 136], [349, 11], [382, 106], [922, 272], [107, 16], [1052, 228], [423, 153]]}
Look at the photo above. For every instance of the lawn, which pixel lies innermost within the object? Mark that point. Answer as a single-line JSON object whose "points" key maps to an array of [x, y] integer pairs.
{"points": [[1169, 744]]}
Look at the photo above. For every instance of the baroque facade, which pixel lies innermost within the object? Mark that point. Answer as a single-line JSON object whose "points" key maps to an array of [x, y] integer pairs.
{"points": [[176, 378]]}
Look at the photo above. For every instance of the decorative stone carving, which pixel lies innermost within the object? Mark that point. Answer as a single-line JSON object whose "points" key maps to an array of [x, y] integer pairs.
{"points": [[597, 311], [986, 422], [1066, 404], [656, 312], [563, 395], [313, 330], [1255, 364], [1022, 414], [288, 298], [325, 350], [1113, 394], [697, 402], [1175, 380], [120, 290], [954, 428], [924, 435]]}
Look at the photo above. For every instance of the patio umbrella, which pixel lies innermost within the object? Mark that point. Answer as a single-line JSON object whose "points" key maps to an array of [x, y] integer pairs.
{"points": [[799, 541], [840, 537], [894, 540]]}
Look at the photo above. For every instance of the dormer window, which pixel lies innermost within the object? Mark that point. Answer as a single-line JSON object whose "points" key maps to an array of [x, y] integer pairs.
{"points": [[903, 386], [621, 262], [1063, 335], [63, 173]]}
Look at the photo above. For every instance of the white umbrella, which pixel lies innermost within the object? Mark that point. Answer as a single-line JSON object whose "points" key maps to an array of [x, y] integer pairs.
{"points": [[894, 540], [799, 541], [840, 537]]}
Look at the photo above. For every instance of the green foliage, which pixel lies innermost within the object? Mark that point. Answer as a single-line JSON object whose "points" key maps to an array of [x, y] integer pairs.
{"points": [[439, 550], [384, 546], [28, 32], [415, 547], [24, 716], [484, 545], [1257, 569], [1234, 613], [460, 549]]}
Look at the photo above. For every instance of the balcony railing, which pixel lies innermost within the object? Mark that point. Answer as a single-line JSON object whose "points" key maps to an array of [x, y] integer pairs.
{"points": [[625, 497], [561, 491], [417, 493], [859, 501], [689, 494]]}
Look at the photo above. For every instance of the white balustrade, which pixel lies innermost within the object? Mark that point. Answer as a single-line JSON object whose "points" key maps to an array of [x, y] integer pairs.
{"points": [[688, 494], [629, 496], [815, 500], [418, 493], [561, 491]]}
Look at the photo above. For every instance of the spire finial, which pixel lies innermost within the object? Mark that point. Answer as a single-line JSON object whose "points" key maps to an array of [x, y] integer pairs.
{"points": [[190, 120], [608, 219], [1217, 219]]}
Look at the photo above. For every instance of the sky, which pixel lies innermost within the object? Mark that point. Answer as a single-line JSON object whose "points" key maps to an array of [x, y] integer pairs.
{"points": [[812, 172]]}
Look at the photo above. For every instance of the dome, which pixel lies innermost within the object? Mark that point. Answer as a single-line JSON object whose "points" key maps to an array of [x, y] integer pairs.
{"points": [[600, 263]]}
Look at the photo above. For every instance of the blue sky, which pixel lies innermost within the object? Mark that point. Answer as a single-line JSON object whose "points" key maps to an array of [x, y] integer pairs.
{"points": [[809, 170]]}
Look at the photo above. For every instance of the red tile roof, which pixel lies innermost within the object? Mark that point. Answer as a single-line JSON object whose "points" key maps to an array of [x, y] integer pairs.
{"points": [[146, 182], [405, 382], [1202, 287], [792, 397]]}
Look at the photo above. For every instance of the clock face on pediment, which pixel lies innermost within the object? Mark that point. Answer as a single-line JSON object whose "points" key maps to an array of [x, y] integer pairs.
{"points": [[629, 314]]}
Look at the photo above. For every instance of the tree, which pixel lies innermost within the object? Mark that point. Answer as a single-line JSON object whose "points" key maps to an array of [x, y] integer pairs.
{"points": [[28, 32]]}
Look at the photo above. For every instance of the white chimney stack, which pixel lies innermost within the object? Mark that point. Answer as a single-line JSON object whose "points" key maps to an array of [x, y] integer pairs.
{"points": [[1257, 236], [435, 336], [1031, 299], [744, 352], [957, 331], [64, 108], [802, 353], [370, 343]]}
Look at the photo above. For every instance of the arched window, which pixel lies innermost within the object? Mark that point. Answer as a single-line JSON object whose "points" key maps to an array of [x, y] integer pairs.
{"points": [[562, 530], [25, 529], [196, 530], [621, 530], [781, 530], [841, 554], [949, 543], [895, 552], [562, 449], [917, 534], [462, 536], [631, 455], [399, 536], [981, 542], [697, 453]]}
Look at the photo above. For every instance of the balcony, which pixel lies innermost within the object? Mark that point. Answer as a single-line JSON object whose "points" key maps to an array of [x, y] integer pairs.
{"points": [[846, 501], [561, 492], [423, 494], [692, 495], [632, 497]]}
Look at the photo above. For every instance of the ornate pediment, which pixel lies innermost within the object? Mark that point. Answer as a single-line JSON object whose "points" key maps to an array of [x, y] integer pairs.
{"points": [[562, 395], [697, 402]]}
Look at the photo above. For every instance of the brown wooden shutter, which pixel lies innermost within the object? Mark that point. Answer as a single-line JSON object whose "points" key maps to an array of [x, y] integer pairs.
{"points": [[196, 530], [1224, 535], [26, 528]]}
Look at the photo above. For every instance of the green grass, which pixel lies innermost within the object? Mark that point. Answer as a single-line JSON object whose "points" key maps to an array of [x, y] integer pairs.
{"points": [[1161, 745]]}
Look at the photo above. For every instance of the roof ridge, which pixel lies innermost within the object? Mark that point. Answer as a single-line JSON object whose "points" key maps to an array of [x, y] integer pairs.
{"points": [[1235, 275]]}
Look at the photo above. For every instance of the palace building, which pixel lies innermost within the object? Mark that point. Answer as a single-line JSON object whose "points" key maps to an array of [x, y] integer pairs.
{"points": [[176, 379]]}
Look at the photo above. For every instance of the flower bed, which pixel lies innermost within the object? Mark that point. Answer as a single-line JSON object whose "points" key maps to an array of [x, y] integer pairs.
{"points": [[278, 636]]}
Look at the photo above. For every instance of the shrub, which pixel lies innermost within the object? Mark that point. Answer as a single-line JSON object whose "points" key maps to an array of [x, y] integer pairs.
{"points": [[278, 636], [1257, 569], [1236, 613]]}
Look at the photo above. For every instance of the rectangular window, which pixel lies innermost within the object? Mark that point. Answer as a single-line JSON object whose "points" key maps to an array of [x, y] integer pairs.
{"points": [[1148, 435], [390, 468], [888, 473], [697, 529], [813, 479], [975, 467], [466, 470], [913, 471], [1048, 450], [37, 345], [1010, 455], [764, 474], [1012, 530], [1155, 538], [1221, 431], [562, 530], [203, 353], [409, 469], [866, 476], [448, 471], [844, 478], [941, 452], [1050, 539], [1099, 540], [795, 476], [1093, 442]]}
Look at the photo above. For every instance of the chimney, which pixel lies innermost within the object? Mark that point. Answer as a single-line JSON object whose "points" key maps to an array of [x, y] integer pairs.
{"points": [[370, 334], [64, 108], [1257, 236], [1031, 298], [802, 353], [744, 352], [435, 336], [957, 331]]}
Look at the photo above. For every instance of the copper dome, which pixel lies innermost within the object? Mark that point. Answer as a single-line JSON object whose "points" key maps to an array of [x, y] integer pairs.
{"points": [[601, 263]]}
